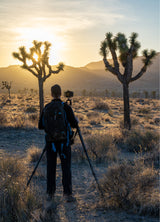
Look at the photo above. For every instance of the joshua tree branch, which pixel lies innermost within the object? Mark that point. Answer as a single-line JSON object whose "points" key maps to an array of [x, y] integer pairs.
{"points": [[113, 70], [30, 70], [59, 68], [143, 70], [115, 60]]}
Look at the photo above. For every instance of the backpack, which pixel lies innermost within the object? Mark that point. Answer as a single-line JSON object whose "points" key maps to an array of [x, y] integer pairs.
{"points": [[55, 122]]}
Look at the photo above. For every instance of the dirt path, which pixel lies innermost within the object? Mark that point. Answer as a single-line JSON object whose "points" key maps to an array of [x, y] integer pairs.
{"points": [[17, 141]]}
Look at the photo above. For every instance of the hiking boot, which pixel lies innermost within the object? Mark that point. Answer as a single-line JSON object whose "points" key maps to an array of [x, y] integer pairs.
{"points": [[69, 198]]}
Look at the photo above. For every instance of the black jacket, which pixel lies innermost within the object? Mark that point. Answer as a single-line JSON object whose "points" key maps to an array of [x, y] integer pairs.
{"points": [[69, 112]]}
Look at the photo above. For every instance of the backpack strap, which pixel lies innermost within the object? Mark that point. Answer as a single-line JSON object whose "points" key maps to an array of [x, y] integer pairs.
{"points": [[54, 148], [68, 127]]}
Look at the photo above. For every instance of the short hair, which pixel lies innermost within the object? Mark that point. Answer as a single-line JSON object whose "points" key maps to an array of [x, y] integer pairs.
{"points": [[56, 90]]}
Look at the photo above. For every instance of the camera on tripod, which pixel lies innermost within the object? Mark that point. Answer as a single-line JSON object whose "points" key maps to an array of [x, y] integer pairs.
{"points": [[69, 95]]}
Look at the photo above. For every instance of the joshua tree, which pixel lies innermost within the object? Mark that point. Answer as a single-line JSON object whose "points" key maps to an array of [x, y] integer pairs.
{"points": [[7, 85], [127, 52], [37, 62]]}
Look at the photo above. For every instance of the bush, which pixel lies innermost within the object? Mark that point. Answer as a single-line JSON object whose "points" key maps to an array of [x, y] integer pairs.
{"points": [[101, 147], [31, 110], [132, 187], [19, 122], [3, 118], [15, 203], [34, 153], [33, 118], [144, 110], [101, 106], [144, 141]]}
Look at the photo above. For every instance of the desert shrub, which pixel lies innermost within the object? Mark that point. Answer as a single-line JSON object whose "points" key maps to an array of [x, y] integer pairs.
{"points": [[15, 203], [78, 153], [33, 154], [34, 118], [3, 118], [152, 158], [101, 147], [137, 140], [31, 110], [134, 122], [132, 187], [4, 99], [91, 115], [94, 122], [144, 110], [19, 121], [100, 105]]}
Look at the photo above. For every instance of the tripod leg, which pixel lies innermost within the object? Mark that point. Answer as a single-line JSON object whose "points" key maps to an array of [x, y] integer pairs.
{"points": [[85, 150], [36, 166]]}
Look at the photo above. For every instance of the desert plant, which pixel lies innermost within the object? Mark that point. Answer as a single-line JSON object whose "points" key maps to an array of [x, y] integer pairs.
{"points": [[33, 154], [19, 121], [101, 106], [137, 140], [132, 187], [37, 62], [8, 86], [15, 203], [3, 118], [144, 110], [101, 147], [31, 109], [126, 55]]}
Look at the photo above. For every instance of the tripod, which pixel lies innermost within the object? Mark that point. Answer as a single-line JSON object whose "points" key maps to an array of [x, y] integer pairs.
{"points": [[85, 150]]}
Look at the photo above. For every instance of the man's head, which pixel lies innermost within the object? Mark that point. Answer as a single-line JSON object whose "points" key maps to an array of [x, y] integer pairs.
{"points": [[56, 91]]}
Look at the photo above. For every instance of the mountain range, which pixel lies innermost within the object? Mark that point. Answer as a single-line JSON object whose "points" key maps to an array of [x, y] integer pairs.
{"points": [[93, 76]]}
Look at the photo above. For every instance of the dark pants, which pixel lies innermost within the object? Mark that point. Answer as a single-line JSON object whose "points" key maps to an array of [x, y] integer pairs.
{"points": [[65, 156]]}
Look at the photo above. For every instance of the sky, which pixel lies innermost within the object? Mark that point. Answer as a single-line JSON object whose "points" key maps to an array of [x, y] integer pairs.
{"points": [[75, 28]]}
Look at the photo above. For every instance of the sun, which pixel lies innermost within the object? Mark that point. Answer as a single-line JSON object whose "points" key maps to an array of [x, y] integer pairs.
{"points": [[27, 35]]}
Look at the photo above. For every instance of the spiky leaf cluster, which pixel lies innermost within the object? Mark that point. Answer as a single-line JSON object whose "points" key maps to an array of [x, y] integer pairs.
{"points": [[120, 42], [147, 60]]}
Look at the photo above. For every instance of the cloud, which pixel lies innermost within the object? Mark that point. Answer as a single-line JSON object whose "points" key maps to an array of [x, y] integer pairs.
{"points": [[61, 16]]}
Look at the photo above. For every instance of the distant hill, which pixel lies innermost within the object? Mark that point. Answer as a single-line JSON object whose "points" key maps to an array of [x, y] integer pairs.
{"points": [[92, 76]]}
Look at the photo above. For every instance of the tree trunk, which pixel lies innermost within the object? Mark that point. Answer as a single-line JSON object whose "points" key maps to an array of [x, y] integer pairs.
{"points": [[41, 96], [127, 121]]}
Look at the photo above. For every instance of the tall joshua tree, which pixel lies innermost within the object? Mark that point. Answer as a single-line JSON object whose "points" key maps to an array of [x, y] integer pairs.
{"points": [[37, 62], [128, 51]]}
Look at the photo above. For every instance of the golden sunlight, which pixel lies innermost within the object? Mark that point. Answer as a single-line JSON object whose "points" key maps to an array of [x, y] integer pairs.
{"points": [[27, 35], [35, 56]]}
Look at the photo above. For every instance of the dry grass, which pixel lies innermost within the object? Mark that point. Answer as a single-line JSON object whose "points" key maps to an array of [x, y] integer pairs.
{"points": [[3, 118], [100, 105], [101, 147], [137, 140], [16, 204], [34, 153], [31, 109], [132, 187]]}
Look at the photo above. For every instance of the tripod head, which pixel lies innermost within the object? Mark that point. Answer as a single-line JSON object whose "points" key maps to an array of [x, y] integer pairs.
{"points": [[69, 95]]}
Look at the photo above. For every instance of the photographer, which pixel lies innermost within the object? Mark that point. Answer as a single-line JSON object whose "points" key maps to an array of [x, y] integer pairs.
{"points": [[56, 119]]}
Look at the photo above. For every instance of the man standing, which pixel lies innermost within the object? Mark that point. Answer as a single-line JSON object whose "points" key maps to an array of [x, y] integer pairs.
{"points": [[56, 119]]}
